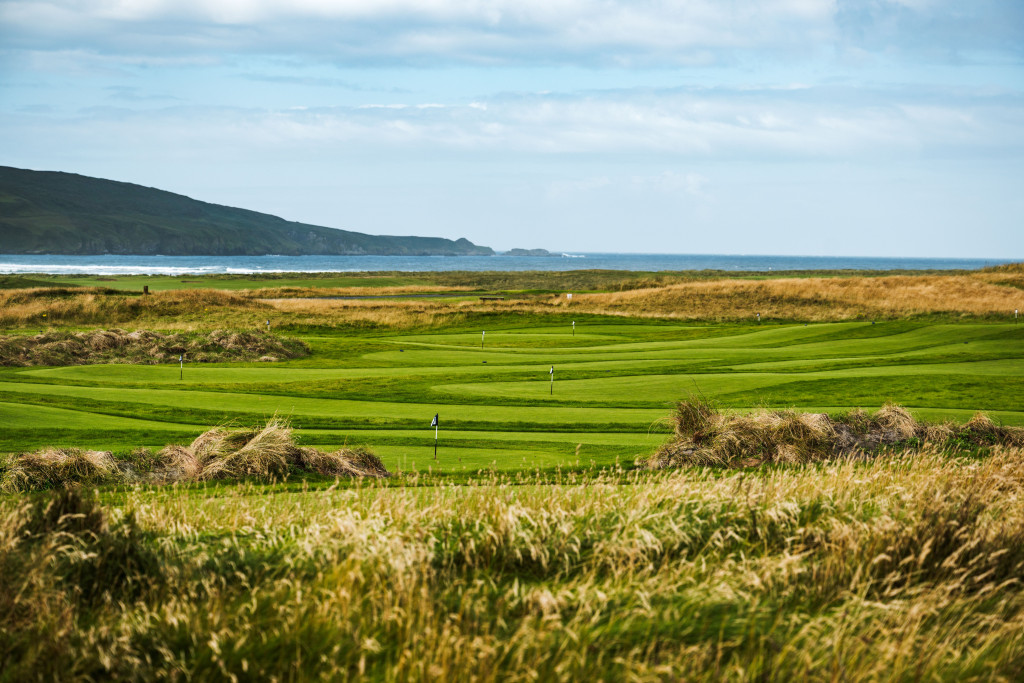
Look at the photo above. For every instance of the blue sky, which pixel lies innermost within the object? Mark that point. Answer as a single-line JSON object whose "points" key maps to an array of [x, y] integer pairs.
{"points": [[816, 127]]}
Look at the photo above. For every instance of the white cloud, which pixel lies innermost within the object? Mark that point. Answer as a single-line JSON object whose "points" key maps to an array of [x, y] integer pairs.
{"points": [[705, 125], [616, 31]]}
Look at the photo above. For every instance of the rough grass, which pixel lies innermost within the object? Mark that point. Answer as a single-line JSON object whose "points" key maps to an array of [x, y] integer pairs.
{"points": [[685, 296], [706, 436], [815, 299], [145, 347], [36, 307], [898, 568], [58, 467], [268, 452]]}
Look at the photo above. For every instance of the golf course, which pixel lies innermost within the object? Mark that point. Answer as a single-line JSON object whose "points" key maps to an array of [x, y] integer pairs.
{"points": [[500, 405], [294, 514]]}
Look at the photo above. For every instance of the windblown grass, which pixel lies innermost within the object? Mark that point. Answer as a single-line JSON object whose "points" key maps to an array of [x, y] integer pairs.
{"points": [[814, 299], [706, 436], [264, 453], [268, 452], [57, 468], [684, 296], [904, 568], [93, 306], [145, 347]]}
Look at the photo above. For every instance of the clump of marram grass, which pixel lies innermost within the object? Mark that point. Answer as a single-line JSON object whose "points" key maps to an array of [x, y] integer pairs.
{"points": [[268, 452], [145, 347], [222, 453], [706, 436], [58, 468]]}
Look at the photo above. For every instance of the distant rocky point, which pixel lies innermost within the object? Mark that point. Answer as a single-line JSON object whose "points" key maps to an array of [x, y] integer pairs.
{"points": [[528, 252], [44, 212]]}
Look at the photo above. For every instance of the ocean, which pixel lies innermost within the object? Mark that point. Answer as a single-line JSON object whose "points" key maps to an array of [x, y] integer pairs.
{"points": [[198, 265]]}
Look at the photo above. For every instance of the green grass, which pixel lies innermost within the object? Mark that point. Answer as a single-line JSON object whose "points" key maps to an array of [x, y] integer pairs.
{"points": [[613, 385]]}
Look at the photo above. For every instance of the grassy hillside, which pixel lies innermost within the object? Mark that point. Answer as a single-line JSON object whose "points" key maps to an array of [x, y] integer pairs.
{"points": [[63, 213]]}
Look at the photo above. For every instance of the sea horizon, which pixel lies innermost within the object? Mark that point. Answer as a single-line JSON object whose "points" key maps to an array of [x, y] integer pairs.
{"points": [[117, 264]]}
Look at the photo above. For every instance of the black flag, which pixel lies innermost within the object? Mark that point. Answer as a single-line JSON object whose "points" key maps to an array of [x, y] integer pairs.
{"points": [[433, 423]]}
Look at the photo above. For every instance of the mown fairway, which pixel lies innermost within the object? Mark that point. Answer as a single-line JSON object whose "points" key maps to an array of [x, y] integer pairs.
{"points": [[614, 383]]}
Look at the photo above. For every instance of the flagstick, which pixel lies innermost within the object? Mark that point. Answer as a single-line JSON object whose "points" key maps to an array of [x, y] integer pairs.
{"points": [[482, 335], [181, 366], [435, 423], [552, 373]]}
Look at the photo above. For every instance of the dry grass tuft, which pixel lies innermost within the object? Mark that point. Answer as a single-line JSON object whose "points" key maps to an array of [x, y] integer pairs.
{"points": [[57, 468], [144, 347], [264, 453], [268, 452], [704, 436], [896, 422], [346, 462]]}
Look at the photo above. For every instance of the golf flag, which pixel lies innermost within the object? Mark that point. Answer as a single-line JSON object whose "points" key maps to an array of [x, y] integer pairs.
{"points": [[552, 373], [433, 423]]}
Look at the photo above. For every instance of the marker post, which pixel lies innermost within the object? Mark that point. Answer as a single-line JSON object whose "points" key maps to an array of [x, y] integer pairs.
{"points": [[482, 335], [574, 328]]}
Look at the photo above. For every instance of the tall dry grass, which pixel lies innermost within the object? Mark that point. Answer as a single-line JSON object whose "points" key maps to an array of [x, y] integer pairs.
{"points": [[985, 294], [895, 569], [57, 347], [705, 435], [53, 306], [816, 299], [267, 452]]}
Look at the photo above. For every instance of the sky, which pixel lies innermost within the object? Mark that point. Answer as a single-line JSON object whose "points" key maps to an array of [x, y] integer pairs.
{"points": [[797, 127]]}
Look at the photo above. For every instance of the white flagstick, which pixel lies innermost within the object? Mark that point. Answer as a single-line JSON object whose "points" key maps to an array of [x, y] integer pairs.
{"points": [[181, 366], [482, 335], [433, 424], [552, 373], [574, 328]]}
